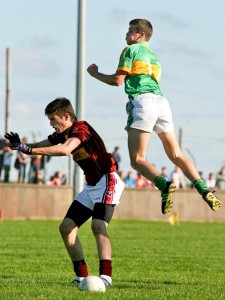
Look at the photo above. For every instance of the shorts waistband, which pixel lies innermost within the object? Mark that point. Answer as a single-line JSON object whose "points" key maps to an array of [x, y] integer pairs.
{"points": [[142, 95]]}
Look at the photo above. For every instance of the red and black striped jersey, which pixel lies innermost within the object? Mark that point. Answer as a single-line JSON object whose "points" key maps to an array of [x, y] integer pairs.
{"points": [[91, 155]]}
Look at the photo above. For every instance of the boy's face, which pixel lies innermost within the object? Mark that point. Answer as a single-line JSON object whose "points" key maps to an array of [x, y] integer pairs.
{"points": [[60, 123], [132, 36]]}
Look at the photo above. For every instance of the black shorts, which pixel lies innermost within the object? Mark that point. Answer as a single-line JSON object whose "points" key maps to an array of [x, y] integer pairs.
{"points": [[80, 213]]}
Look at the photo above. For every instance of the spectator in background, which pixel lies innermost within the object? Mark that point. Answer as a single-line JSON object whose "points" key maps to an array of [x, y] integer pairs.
{"points": [[116, 155], [63, 179], [2, 143], [150, 185], [7, 158], [211, 182], [57, 177], [140, 181], [164, 173], [35, 166], [220, 179], [39, 179], [177, 178], [22, 158], [201, 175], [130, 180], [44, 161], [122, 175], [51, 180]]}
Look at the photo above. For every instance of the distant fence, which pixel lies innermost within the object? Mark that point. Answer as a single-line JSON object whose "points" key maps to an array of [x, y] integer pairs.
{"points": [[29, 201]]}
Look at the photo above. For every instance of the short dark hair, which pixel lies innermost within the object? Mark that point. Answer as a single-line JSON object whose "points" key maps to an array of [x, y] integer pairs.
{"points": [[143, 25], [60, 106]]}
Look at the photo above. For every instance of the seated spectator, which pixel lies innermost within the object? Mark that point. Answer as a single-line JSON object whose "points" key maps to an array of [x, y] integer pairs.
{"points": [[130, 180], [211, 182], [58, 178], [140, 181], [55, 179], [50, 181]]}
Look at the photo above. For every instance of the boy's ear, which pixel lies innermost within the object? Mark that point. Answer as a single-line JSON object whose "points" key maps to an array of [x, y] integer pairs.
{"points": [[67, 116]]}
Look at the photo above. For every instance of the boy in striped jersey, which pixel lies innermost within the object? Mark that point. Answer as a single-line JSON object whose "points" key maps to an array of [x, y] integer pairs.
{"points": [[139, 68], [101, 192]]}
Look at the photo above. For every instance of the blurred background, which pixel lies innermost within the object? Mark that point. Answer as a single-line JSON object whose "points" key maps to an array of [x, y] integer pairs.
{"points": [[189, 39]]}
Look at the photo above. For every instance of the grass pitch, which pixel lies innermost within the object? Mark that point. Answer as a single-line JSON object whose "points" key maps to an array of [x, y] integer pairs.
{"points": [[151, 260]]}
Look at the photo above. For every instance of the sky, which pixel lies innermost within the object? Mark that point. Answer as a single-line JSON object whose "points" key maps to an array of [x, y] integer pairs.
{"points": [[188, 37]]}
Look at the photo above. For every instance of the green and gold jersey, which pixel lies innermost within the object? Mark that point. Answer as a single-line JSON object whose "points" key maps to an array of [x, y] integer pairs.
{"points": [[143, 68]]}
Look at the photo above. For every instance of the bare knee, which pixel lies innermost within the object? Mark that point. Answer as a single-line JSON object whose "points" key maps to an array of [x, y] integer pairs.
{"points": [[136, 162], [178, 159]]}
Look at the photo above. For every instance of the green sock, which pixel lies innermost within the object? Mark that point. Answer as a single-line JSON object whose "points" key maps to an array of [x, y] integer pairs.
{"points": [[200, 186], [160, 182]]}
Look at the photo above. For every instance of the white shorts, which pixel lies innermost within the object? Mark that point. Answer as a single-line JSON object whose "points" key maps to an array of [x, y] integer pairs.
{"points": [[108, 190], [149, 112]]}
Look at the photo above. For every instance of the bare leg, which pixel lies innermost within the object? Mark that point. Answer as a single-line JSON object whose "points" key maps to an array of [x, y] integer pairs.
{"points": [[99, 229], [137, 144], [68, 230], [174, 153]]}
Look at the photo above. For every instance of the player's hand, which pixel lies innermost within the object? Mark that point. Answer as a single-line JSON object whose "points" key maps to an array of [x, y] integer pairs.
{"points": [[13, 137], [92, 69], [21, 147]]}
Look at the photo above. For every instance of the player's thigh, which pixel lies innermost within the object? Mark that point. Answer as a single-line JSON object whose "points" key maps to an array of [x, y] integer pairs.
{"points": [[79, 213], [170, 144], [138, 141], [103, 212], [102, 215]]}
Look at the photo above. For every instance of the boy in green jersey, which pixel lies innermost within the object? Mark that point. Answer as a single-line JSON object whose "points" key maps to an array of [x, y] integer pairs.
{"points": [[139, 69]]}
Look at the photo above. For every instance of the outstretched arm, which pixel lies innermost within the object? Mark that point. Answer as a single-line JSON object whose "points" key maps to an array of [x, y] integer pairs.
{"points": [[41, 144], [58, 150], [49, 150], [114, 79], [14, 138]]}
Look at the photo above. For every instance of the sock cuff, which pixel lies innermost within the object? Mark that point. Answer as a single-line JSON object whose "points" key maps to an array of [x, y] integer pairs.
{"points": [[105, 267], [197, 181], [160, 182], [80, 268]]}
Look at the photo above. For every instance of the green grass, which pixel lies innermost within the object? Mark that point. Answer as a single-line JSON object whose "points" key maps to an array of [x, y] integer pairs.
{"points": [[151, 260]]}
